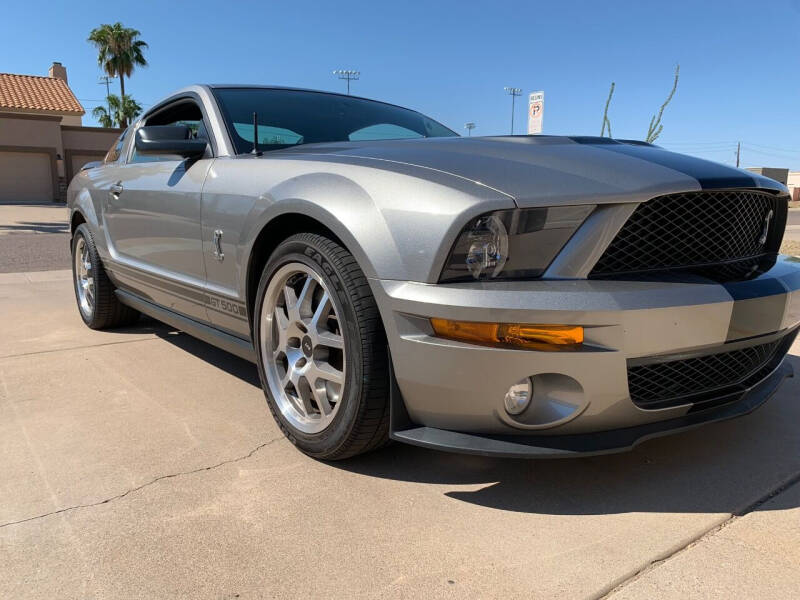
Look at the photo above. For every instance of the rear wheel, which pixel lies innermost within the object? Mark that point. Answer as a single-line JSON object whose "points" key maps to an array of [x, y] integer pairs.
{"points": [[97, 304], [321, 349]]}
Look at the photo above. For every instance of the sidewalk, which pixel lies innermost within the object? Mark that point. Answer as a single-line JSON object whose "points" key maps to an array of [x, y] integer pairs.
{"points": [[142, 463]]}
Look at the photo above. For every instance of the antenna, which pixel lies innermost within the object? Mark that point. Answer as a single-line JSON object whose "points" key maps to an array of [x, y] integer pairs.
{"points": [[255, 151]]}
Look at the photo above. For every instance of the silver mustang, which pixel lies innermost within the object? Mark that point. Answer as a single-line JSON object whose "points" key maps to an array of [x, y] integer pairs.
{"points": [[520, 295]]}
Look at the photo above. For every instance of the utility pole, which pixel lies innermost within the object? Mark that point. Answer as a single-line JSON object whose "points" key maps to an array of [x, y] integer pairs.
{"points": [[469, 127], [738, 151], [105, 80], [513, 92], [348, 75]]}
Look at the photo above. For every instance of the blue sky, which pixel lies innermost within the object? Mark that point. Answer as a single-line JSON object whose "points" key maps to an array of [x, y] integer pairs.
{"points": [[740, 61]]}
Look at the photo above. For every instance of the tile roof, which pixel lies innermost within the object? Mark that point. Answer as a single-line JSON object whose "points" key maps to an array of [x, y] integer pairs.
{"points": [[39, 94]]}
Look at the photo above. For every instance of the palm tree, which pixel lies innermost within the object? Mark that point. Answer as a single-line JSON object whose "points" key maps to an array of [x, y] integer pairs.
{"points": [[101, 114], [118, 113], [119, 51]]}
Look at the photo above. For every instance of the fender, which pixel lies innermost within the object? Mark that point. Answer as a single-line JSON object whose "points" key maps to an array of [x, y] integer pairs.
{"points": [[83, 204], [344, 208]]}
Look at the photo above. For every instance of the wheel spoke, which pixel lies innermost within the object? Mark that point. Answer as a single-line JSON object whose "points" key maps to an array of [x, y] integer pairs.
{"points": [[306, 294], [323, 370], [290, 298], [304, 393], [331, 340], [282, 325], [323, 311], [321, 396]]}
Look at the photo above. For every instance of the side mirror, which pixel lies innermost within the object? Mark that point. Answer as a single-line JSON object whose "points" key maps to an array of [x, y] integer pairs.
{"points": [[169, 139]]}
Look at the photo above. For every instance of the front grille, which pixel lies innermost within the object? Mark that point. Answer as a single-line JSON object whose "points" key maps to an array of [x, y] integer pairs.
{"points": [[704, 379], [695, 229]]}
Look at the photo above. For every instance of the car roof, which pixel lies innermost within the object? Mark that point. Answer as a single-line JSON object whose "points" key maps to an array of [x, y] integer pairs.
{"points": [[214, 86]]}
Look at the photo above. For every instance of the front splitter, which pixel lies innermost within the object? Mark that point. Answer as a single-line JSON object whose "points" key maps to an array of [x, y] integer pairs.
{"points": [[575, 445]]}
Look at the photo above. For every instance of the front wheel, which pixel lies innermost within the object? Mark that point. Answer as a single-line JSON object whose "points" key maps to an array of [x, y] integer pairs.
{"points": [[322, 354]]}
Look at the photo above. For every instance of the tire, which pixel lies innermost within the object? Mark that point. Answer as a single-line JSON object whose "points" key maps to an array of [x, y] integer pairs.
{"points": [[101, 309], [358, 421]]}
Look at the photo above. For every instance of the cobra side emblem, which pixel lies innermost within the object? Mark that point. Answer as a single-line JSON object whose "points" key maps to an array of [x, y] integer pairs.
{"points": [[218, 253], [763, 239]]}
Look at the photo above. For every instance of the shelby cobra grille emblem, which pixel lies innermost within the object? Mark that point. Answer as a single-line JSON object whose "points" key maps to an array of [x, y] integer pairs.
{"points": [[765, 232]]}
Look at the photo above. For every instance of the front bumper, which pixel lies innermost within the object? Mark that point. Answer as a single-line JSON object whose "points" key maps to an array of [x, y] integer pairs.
{"points": [[451, 393], [582, 444]]}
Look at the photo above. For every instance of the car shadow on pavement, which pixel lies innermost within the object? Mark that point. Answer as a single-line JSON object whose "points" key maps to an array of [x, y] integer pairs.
{"points": [[36, 226], [719, 468], [238, 367]]}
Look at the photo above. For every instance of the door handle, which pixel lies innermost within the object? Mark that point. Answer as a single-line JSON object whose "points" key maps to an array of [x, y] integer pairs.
{"points": [[116, 189]]}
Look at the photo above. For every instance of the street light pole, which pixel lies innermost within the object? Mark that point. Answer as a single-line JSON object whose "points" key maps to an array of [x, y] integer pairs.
{"points": [[348, 75], [469, 127], [513, 92]]}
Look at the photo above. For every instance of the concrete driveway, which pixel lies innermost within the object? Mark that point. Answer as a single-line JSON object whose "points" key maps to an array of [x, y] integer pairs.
{"points": [[142, 463]]}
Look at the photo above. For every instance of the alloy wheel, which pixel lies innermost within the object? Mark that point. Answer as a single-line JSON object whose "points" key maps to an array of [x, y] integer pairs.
{"points": [[84, 279], [303, 347]]}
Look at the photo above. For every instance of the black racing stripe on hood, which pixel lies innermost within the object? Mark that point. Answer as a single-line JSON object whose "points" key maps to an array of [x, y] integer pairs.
{"points": [[710, 175]]}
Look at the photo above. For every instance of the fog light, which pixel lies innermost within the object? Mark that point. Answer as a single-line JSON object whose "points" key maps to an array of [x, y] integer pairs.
{"points": [[518, 396]]}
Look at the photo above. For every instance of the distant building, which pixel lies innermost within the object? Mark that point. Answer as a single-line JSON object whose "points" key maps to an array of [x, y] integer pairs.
{"points": [[793, 183], [779, 175], [42, 141]]}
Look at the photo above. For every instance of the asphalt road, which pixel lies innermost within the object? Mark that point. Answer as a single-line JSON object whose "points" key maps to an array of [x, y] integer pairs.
{"points": [[33, 238]]}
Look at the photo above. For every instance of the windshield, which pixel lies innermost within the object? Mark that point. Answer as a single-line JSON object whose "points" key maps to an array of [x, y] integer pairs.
{"points": [[292, 117]]}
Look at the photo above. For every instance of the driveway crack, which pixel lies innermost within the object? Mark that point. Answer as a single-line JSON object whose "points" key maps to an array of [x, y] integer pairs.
{"points": [[617, 586], [147, 484]]}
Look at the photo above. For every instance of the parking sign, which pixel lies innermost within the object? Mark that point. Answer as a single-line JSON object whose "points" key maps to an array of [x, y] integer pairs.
{"points": [[535, 112]]}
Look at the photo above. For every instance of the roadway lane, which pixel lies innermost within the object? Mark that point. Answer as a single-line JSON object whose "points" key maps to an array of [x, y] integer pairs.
{"points": [[33, 238]]}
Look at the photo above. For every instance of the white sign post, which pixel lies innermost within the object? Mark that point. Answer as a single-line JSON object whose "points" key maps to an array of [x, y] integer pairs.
{"points": [[535, 112]]}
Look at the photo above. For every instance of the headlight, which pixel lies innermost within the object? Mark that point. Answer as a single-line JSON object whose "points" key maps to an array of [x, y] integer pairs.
{"points": [[512, 244]]}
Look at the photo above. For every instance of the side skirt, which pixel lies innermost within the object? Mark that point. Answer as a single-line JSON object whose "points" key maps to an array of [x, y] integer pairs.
{"points": [[215, 337]]}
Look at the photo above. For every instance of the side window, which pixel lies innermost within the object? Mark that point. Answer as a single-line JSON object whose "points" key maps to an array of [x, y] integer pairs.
{"points": [[113, 154], [183, 113]]}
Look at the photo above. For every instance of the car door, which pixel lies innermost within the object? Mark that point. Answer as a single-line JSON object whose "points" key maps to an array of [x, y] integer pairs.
{"points": [[152, 219]]}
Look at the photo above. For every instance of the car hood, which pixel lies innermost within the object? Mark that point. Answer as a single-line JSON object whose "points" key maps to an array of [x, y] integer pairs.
{"points": [[552, 170]]}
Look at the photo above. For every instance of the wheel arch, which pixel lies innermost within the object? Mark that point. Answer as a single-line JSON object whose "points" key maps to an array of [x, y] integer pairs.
{"points": [[281, 227], [82, 210], [75, 221]]}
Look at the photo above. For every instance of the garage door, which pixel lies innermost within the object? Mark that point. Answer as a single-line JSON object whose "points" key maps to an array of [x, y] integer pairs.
{"points": [[78, 160], [25, 177]]}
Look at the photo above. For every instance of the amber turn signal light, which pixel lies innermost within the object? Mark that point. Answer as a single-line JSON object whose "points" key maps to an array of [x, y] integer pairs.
{"points": [[533, 337]]}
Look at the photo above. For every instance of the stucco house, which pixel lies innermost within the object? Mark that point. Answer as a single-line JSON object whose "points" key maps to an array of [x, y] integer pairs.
{"points": [[42, 140]]}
